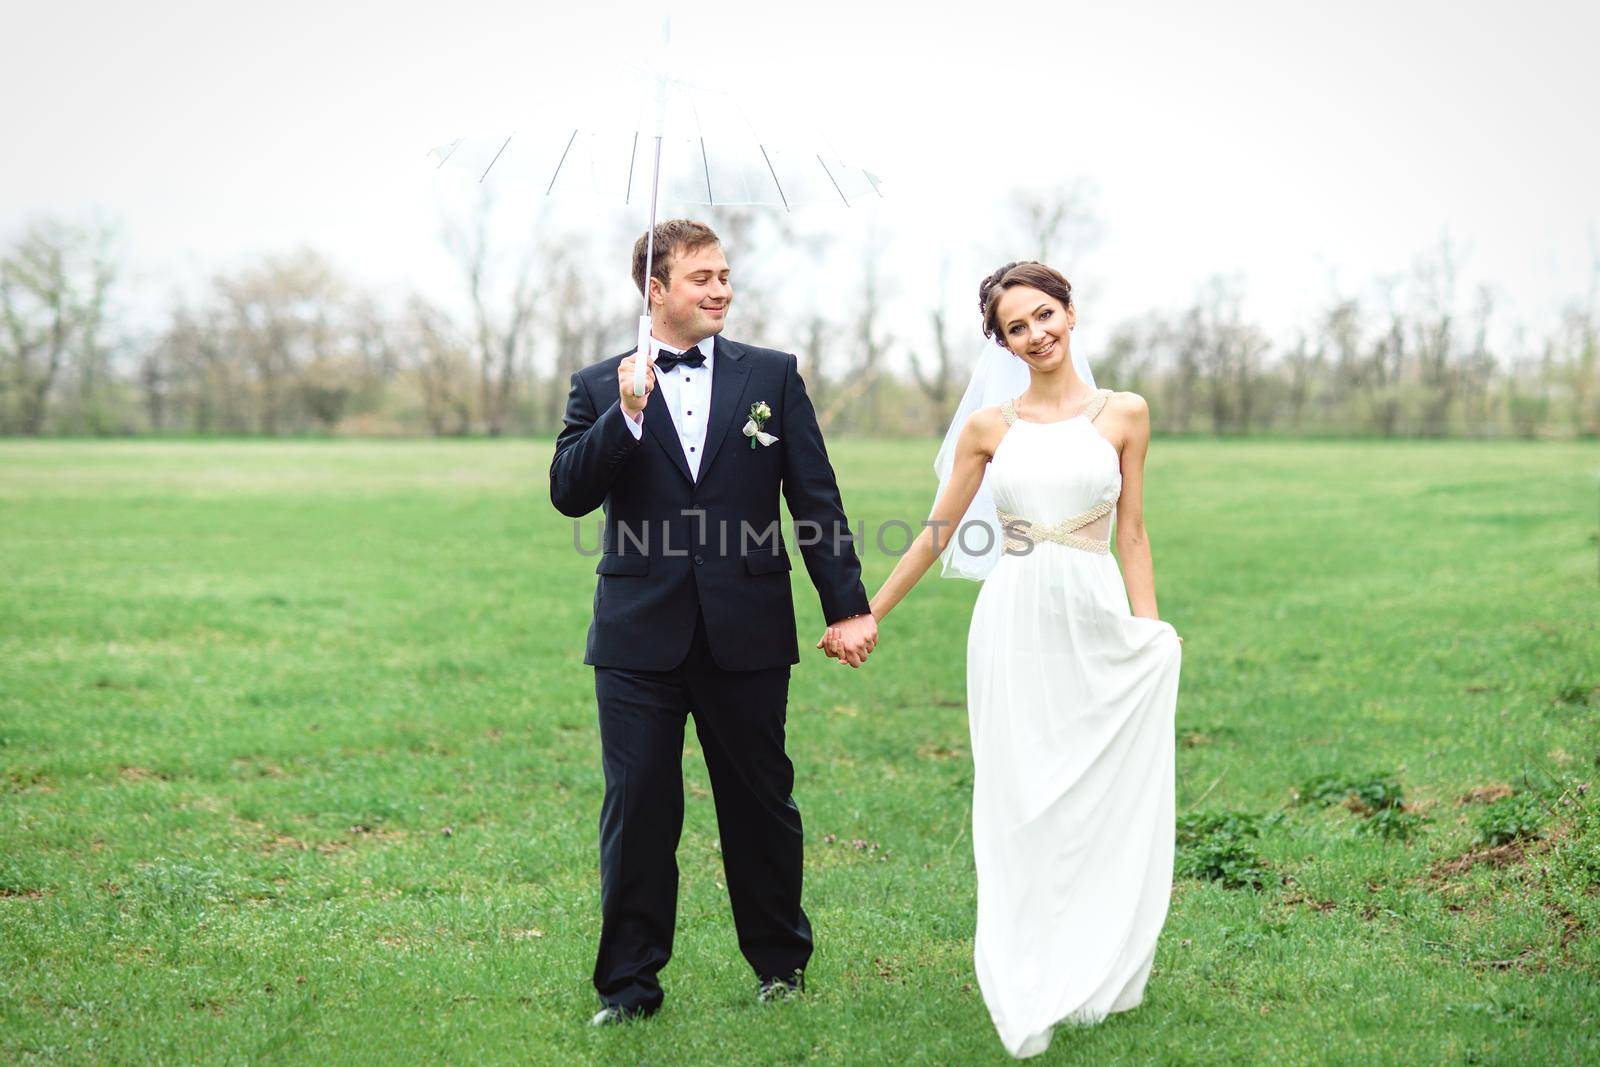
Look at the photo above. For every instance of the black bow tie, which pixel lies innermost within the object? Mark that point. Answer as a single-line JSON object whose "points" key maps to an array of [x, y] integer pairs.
{"points": [[665, 360]]}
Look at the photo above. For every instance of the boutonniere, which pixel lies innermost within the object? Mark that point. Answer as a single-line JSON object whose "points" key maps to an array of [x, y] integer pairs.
{"points": [[759, 414]]}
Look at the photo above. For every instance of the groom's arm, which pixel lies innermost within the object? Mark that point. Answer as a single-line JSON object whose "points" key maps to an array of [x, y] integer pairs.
{"points": [[590, 451], [812, 493]]}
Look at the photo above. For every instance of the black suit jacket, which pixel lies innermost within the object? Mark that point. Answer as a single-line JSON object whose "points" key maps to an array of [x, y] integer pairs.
{"points": [[672, 543]]}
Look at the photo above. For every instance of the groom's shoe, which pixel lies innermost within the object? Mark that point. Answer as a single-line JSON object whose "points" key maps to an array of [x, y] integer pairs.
{"points": [[616, 1015], [776, 989]]}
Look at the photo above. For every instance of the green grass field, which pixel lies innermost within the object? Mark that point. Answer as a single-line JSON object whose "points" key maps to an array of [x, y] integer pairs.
{"points": [[300, 765]]}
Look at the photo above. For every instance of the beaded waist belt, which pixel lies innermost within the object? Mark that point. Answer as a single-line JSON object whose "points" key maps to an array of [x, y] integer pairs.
{"points": [[1020, 532]]}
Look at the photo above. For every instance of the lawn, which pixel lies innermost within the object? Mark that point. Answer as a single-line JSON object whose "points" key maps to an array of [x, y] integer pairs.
{"points": [[300, 764]]}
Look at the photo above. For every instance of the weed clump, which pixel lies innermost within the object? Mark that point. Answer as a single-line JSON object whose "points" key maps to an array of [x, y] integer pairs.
{"points": [[1518, 817], [1362, 795], [1578, 694], [1377, 798], [1220, 846]]}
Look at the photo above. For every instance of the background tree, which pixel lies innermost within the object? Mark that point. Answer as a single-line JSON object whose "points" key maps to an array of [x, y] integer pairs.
{"points": [[286, 320], [55, 284], [285, 344], [1056, 223], [871, 339], [1576, 358], [439, 362], [501, 303], [937, 371]]}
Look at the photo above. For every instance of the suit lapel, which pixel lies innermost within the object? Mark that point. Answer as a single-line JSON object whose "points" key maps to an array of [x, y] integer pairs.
{"points": [[730, 376], [658, 420]]}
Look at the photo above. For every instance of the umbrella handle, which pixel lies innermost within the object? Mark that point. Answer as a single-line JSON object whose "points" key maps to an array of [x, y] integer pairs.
{"points": [[645, 353]]}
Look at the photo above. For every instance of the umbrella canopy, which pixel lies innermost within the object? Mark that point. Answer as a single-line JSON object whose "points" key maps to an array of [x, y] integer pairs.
{"points": [[711, 153], [676, 141]]}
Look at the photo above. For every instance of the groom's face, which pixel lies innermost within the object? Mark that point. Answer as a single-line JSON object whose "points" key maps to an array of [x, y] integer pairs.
{"points": [[695, 304]]}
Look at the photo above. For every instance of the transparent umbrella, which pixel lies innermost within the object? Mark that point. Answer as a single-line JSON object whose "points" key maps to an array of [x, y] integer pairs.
{"points": [[671, 140], [710, 153]]}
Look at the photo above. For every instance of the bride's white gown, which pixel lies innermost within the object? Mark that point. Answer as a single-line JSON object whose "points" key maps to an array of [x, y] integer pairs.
{"points": [[1071, 700]]}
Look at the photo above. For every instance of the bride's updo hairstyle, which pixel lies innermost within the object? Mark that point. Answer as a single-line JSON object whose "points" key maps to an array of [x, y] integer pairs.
{"points": [[1027, 272]]}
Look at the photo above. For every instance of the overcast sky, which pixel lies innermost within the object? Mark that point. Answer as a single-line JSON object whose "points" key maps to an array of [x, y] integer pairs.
{"points": [[1302, 148]]}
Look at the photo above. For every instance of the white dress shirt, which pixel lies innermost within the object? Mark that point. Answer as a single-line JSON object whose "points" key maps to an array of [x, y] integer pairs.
{"points": [[687, 393]]}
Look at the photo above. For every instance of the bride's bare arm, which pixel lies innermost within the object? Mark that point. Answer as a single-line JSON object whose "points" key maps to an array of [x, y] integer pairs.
{"points": [[1133, 544], [973, 449]]}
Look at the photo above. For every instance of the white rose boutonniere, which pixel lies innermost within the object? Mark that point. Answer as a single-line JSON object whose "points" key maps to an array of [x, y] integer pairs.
{"points": [[759, 414]]}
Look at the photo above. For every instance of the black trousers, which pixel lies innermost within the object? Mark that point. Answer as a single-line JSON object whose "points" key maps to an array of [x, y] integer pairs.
{"points": [[739, 717]]}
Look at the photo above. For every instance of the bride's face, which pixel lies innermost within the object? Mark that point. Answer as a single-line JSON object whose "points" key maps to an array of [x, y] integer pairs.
{"points": [[1035, 326]]}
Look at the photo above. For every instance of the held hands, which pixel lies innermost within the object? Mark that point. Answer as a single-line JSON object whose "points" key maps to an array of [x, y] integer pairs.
{"points": [[850, 640], [633, 406]]}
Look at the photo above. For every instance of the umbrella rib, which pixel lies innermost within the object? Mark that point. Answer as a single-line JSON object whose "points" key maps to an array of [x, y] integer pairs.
{"points": [[627, 195], [560, 163], [496, 158], [831, 178], [454, 145], [706, 163], [775, 180]]}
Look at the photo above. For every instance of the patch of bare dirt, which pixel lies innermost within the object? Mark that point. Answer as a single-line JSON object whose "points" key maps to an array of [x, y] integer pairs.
{"points": [[1486, 794], [263, 768], [1507, 855], [1311, 902], [11, 893], [142, 774]]}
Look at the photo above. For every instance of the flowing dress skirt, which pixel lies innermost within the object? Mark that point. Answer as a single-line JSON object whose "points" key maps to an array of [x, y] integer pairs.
{"points": [[1071, 702]]}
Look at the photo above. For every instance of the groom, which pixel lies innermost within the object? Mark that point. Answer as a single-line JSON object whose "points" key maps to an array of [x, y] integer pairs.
{"points": [[693, 613]]}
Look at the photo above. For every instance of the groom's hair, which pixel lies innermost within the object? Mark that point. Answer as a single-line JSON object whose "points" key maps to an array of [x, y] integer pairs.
{"points": [[1027, 272], [673, 238]]}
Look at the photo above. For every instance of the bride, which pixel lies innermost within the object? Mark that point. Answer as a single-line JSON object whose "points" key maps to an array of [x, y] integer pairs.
{"points": [[1072, 679]]}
